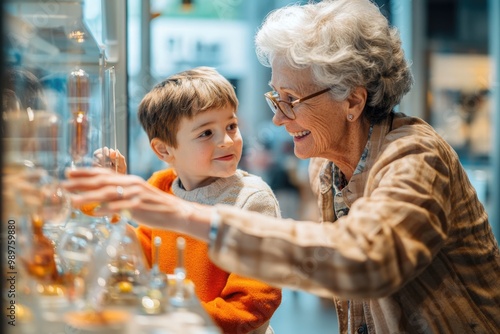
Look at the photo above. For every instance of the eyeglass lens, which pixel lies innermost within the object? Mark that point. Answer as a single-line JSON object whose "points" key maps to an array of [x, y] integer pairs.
{"points": [[275, 105]]}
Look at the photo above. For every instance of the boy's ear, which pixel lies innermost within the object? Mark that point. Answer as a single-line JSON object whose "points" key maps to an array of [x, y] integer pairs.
{"points": [[162, 150]]}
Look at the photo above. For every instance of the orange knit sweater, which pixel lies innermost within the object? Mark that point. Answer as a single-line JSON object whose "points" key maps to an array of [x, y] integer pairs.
{"points": [[237, 304]]}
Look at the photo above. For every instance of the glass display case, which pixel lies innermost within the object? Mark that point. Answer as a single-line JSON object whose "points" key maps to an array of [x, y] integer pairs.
{"points": [[72, 270], [59, 91], [51, 43]]}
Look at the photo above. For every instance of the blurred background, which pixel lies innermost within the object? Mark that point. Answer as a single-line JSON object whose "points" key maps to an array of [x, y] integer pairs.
{"points": [[453, 45]]}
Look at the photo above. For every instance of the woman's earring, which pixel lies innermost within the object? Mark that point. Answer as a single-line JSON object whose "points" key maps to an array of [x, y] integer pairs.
{"points": [[350, 117]]}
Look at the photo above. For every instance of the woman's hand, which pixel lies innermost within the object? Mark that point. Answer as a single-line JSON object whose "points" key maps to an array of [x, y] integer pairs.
{"points": [[132, 196]]}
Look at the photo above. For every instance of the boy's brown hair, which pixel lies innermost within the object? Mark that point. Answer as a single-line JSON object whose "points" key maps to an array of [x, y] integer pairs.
{"points": [[184, 94]]}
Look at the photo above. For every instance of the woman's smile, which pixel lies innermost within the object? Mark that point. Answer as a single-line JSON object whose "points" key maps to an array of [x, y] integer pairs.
{"points": [[299, 135]]}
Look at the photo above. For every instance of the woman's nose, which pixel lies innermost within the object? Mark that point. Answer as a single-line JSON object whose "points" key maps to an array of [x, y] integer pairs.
{"points": [[279, 118]]}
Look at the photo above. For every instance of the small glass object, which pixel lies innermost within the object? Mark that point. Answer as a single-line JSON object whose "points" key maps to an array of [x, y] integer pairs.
{"points": [[97, 322], [79, 100], [182, 289], [55, 207], [118, 275], [155, 299], [42, 263], [75, 250]]}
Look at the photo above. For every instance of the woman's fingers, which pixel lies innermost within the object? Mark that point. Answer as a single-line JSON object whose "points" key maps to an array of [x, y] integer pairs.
{"points": [[130, 194], [101, 185], [87, 172]]}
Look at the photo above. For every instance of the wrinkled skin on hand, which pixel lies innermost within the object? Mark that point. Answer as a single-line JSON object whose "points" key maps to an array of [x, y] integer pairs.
{"points": [[132, 197]]}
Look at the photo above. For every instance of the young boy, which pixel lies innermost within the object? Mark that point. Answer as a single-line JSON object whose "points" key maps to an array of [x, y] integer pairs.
{"points": [[190, 119]]}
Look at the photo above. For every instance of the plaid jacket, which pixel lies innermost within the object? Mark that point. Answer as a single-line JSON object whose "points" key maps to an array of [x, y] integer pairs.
{"points": [[415, 254]]}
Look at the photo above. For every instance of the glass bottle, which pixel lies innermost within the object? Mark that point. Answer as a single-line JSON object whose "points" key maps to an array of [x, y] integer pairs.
{"points": [[182, 294], [155, 299], [79, 99], [118, 274], [186, 309], [114, 278], [42, 263]]}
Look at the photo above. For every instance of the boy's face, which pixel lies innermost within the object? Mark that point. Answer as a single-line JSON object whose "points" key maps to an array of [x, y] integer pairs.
{"points": [[208, 146]]}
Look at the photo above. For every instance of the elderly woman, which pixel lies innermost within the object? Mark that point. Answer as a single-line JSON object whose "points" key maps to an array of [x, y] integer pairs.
{"points": [[403, 245]]}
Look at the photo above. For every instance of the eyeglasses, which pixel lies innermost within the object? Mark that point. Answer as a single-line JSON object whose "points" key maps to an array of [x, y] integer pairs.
{"points": [[286, 107]]}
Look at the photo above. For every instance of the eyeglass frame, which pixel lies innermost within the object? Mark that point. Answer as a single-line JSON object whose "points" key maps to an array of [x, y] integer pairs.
{"points": [[272, 99]]}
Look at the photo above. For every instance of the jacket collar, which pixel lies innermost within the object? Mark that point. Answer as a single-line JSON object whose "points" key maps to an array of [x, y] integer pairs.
{"points": [[355, 187]]}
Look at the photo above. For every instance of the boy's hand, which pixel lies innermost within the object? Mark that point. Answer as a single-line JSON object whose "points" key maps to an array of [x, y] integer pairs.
{"points": [[108, 157]]}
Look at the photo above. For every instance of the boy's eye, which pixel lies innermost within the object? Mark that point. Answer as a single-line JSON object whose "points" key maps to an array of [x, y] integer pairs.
{"points": [[206, 133], [232, 126]]}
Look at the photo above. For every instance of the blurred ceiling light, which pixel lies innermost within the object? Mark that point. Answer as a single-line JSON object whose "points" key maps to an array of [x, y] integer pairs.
{"points": [[77, 35]]}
